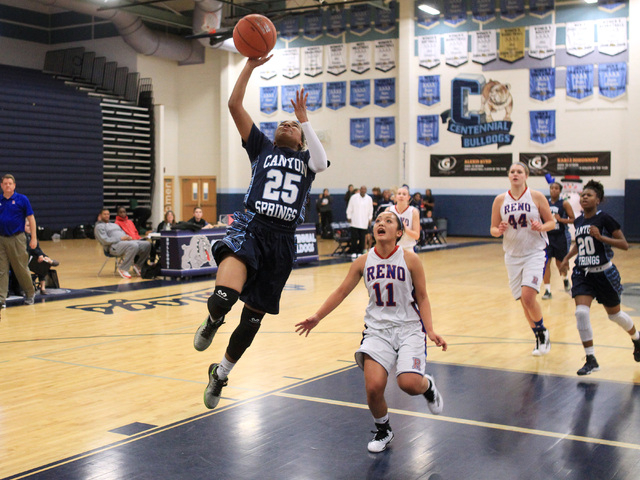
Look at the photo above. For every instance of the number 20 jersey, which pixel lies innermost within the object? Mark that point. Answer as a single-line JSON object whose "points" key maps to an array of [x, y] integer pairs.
{"points": [[591, 252], [519, 240], [280, 181]]}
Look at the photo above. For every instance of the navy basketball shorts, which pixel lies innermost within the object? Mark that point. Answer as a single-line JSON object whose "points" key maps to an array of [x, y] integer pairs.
{"points": [[558, 246], [605, 287]]}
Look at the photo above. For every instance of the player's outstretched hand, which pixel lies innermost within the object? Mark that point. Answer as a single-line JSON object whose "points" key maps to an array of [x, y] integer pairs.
{"points": [[307, 325], [300, 105], [256, 62], [438, 340]]}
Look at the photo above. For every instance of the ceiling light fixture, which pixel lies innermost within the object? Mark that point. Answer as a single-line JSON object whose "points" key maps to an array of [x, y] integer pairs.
{"points": [[429, 7]]}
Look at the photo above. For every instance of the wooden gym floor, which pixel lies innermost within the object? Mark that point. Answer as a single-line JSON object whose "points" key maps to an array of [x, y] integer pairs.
{"points": [[104, 383]]}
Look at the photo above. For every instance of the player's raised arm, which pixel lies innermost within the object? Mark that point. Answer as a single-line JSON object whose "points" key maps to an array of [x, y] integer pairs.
{"points": [[317, 156], [240, 116]]}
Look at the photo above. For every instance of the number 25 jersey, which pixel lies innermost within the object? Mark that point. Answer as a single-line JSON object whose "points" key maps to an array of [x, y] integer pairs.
{"points": [[519, 240]]}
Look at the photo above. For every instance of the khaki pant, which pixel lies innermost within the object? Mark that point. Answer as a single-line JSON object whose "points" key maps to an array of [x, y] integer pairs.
{"points": [[13, 252]]}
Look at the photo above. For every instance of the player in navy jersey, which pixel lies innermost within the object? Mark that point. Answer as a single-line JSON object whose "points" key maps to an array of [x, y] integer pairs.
{"points": [[396, 320], [594, 275], [559, 238], [257, 254]]}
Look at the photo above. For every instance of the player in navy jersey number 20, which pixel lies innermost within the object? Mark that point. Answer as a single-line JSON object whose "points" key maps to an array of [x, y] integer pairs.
{"points": [[396, 319], [257, 254], [594, 275]]}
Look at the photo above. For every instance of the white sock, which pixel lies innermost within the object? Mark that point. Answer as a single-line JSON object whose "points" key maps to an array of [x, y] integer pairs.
{"points": [[590, 350], [384, 419], [547, 287], [635, 336], [224, 368]]}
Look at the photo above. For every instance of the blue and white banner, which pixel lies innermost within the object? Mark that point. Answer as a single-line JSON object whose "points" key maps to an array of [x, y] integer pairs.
{"points": [[429, 51], [542, 41], [384, 21], [511, 10], [336, 95], [312, 60], [360, 21], [289, 60], [384, 91], [542, 126], [483, 11], [268, 100], [385, 54], [360, 93], [429, 89], [314, 100], [336, 56], [289, 27], [610, 6], [269, 129], [541, 8], [384, 131], [336, 23], [312, 25], [425, 20], [360, 57], [288, 93], [360, 129], [612, 36], [428, 130], [455, 12], [579, 81], [612, 79], [542, 83]]}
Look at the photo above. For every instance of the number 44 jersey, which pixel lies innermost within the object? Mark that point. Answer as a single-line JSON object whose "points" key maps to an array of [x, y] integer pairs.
{"points": [[519, 240]]}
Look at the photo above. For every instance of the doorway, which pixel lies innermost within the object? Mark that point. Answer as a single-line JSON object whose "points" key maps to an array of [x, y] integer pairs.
{"points": [[199, 192]]}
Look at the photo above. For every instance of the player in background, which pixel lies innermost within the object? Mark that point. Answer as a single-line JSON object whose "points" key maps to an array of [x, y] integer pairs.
{"points": [[522, 216], [594, 274], [257, 254], [396, 319], [559, 238], [410, 217]]}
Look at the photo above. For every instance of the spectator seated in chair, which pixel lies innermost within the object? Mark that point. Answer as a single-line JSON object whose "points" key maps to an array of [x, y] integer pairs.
{"points": [[198, 220], [40, 264]]}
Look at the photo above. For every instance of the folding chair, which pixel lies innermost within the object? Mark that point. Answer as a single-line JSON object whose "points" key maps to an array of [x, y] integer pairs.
{"points": [[118, 261], [342, 235]]}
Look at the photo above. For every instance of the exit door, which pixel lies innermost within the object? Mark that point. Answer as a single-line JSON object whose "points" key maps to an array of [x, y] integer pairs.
{"points": [[199, 192]]}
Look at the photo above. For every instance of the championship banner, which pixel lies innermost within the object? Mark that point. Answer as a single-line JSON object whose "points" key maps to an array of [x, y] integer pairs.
{"points": [[483, 11], [289, 62], [312, 26], [542, 126], [511, 44], [612, 36], [384, 129], [360, 130], [477, 165], [610, 6], [336, 95], [456, 50], [428, 130], [269, 129], [483, 46], [384, 21], [579, 81], [429, 51], [336, 23], [288, 93], [589, 163], [336, 56], [579, 38], [424, 19], [511, 10], [314, 100], [360, 22], [612, 79], [360, 93], [542, 83], [360, 57], [289, 28], [429, 89], [384, 91], [542, 41], [385, 54], [541, 8], [268, 100], [269, 70], [455, 12], [312, 60]]}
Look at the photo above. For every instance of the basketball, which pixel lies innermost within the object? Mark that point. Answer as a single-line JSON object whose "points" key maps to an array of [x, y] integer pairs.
{"points": [[254, 36]]}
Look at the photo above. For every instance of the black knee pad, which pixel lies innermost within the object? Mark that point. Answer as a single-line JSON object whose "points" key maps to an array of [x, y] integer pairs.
{"points": [[244, 333], [221, 301]]}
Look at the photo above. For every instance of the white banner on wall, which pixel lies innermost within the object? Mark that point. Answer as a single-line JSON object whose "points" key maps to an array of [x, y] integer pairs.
{"points": [[312, 61], [456, 51], [290, 62], [484, 46], [542, 41], [385, 54], [360, 58], [336, 56], [429, 51], [580, 38], [612, 36]]}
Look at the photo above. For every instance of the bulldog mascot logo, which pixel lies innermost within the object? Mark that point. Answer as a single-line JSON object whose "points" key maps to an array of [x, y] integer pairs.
{"points": [[197, 253]]}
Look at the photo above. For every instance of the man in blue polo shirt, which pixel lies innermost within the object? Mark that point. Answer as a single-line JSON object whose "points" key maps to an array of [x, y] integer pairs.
{"points": [[14, 209]]}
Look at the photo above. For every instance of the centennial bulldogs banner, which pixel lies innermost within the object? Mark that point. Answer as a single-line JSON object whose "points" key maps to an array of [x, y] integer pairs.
{"points": [[428, 131], [288, 93], [612, 79], [542, 126], [268, 100], [429, 89], [579, 81], [360, 132], [314, 100], [384, 91], [289, 62], [480, 165], [542, 41], [384, 131], [336, 58], [483, 11], [269, 129], [589, 163], [360, 93], [483, 46], [542, 83], [336, 95], [429, 51], [312, 60]]}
